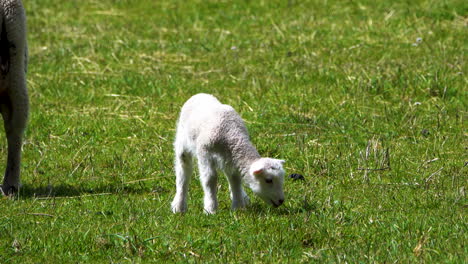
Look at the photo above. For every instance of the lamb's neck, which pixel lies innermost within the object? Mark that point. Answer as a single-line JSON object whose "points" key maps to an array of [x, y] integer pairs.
{"points": [[244, 154]]}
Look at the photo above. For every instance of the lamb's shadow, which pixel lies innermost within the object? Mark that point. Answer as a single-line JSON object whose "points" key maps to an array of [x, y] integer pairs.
{"points": [[65, 190], [262, 209]]}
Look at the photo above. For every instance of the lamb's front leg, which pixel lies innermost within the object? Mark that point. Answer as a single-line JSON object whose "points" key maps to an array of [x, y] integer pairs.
{"points": [[209, 181], [238, 196]]}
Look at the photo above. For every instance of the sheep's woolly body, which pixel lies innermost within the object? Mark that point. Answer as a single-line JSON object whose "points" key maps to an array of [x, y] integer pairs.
{"points": [[14, 103], [217, 136]]}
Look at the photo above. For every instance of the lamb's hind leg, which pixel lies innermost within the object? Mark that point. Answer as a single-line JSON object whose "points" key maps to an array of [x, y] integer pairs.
{"points": [[238, 196], [15, 113], [183, 169], [209, 181]]}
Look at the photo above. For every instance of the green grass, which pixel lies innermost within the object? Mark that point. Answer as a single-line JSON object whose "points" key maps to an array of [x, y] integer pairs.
{"points": [[375, 121]]}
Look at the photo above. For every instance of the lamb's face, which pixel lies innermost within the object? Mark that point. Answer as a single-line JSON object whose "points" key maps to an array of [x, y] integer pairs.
{"points": [[266, 177]]}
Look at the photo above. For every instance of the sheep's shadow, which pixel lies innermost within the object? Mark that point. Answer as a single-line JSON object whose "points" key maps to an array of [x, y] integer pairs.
{"points": [[65, 190]]}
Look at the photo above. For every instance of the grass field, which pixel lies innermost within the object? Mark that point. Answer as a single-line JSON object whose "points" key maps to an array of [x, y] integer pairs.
{"points": [[366, 99]]}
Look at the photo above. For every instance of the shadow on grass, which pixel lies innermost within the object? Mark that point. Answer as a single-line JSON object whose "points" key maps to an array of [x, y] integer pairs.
{"points": [[262, 209], [65, 190]]}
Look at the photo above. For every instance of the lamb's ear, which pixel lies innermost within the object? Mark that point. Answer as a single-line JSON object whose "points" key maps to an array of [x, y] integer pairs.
{"points": [[257, 168], [257, 172], [282, 161]]}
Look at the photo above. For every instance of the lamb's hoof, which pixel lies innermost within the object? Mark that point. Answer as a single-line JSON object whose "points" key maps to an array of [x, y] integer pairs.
{"points": [[209, 211], [178, 210], [177, 207], [210, 207], [242, 204], [6, 190]]}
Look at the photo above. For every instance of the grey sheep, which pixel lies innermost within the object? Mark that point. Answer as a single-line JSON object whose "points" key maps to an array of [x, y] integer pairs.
{"points": [[14, 102]]}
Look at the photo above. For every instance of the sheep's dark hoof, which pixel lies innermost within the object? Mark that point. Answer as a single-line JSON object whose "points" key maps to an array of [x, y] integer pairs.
{"points": [[296, 176], [8, 190]]}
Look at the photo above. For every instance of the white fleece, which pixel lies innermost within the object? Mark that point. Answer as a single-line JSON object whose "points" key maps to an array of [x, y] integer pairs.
{"points": [[216, 135]]}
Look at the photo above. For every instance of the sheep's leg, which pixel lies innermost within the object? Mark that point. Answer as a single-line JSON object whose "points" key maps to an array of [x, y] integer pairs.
{"points": [[238, 196], [14, 109], [184, 169], [14, 103], [209, 181]]}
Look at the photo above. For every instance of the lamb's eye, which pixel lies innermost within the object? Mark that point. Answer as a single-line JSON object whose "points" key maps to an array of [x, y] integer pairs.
{"points": [[269, 180]]}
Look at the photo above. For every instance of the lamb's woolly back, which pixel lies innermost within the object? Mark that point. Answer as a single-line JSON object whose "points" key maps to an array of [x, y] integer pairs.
{"points": [[217, 127], [217, 136]]}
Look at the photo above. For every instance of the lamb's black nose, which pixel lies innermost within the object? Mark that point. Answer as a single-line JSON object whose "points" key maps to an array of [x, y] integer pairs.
{"points": [[280, 202]]}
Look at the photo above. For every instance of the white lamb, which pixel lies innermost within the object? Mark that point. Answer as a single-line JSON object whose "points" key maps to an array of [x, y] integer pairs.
{"points": [[217, 136], [14, 103]]}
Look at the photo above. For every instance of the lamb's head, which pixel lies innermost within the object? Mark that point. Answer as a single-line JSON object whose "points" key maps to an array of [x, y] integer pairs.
{"points": [[265, 178]]}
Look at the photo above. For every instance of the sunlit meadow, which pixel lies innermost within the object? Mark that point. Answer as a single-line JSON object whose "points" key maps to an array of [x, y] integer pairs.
{"points": [[366, 99]]}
